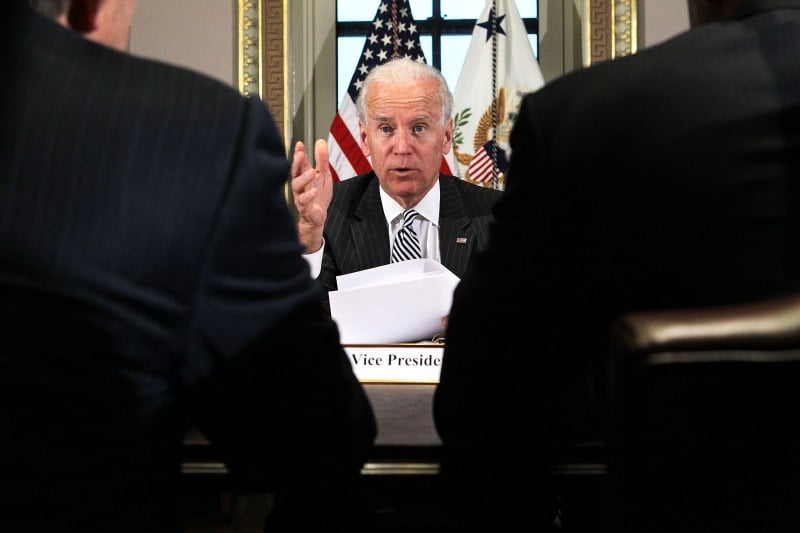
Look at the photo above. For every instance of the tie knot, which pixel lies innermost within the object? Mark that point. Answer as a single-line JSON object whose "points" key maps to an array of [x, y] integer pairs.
{"points": [[408, 217], [406, 243]]}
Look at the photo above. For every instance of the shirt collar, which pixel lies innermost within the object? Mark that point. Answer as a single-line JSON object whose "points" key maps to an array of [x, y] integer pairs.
{"points": [[428, 207]]}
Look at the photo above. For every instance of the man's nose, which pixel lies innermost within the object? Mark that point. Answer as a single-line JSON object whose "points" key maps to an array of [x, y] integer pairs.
{"points": [[402, 141]]}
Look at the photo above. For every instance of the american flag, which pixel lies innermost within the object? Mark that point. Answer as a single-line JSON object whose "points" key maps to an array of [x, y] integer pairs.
{"points": [[393, 34], [481, 168]]}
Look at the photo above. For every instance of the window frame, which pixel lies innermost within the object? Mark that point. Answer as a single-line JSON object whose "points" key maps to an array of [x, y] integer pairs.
{"points": [[436, 26]]}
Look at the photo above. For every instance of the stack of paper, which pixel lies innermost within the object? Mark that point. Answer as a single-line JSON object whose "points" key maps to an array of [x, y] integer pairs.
{"points": [[398, 302]]}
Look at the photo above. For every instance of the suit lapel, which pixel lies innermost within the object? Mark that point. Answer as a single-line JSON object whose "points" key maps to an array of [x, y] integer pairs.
{"points": [[369, 233], [456, 237]]}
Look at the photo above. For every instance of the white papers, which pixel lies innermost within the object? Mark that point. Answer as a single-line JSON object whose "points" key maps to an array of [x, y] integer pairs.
{"points": [[398, 302]]}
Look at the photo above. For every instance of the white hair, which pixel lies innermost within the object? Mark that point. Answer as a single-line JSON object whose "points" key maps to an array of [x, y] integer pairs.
{"points": [[401, 71]]}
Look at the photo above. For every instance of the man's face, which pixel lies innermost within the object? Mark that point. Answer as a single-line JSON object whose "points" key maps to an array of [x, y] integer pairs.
{"points": [[405, 138]]}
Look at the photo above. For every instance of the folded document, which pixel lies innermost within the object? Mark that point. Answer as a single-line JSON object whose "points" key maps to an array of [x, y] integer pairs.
{"points": [[398, 302]]}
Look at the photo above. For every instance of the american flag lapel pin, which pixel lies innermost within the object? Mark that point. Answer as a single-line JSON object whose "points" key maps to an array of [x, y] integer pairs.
{"points": [[461, 240]]}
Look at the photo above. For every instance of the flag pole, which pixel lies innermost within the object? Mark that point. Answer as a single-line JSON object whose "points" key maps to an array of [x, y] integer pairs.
{"points": [[493, 22], [395, 36]]}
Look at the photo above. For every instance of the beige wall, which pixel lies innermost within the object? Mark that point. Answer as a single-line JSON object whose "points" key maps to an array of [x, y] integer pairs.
{"points": [[196, 33], [661, 19]]}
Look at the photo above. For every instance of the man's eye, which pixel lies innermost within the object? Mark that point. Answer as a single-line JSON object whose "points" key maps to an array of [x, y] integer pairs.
{"points": [[385, 129], [419, 128]]}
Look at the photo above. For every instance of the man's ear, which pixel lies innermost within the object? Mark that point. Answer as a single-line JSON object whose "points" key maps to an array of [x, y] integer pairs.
{"points": [[448, 137], [362, 135], [82, 15]]}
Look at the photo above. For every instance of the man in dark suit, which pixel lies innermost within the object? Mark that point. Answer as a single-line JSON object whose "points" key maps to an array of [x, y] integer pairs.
{"points": [[406, 125], [668, 178], [151, 277]]}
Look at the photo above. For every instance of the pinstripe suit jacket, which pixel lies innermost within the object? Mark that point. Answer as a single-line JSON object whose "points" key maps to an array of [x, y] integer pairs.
{"points": [[150, 273], [357, 237], [669, 178]]}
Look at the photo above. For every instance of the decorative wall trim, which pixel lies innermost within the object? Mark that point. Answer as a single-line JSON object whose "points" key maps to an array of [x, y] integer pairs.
{"points": [[248, 26], [261, 28], [609, 29]]}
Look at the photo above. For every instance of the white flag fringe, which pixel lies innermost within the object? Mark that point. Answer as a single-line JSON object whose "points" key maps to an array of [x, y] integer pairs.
{"points": [[500, 67]]}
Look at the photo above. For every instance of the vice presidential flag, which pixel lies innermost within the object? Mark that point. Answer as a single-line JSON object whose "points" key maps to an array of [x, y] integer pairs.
{"points": [[498, 70], [393, 34]]}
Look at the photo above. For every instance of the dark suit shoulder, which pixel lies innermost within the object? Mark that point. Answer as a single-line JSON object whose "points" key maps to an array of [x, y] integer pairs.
{"points": [[476, 200], [470, 189], [353, 186], [182, 77], [348, 194], [185, 89]]}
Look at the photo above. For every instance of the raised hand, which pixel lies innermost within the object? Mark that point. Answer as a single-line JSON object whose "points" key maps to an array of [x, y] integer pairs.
{"points": [[312, 188]]}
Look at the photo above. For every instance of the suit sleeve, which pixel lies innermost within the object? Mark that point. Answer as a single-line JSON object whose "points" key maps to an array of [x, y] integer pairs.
{"points": [[278, 395]]}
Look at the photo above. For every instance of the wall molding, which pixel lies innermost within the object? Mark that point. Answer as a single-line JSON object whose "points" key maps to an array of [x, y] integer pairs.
{"points": [[262, 59], [609, 30]]}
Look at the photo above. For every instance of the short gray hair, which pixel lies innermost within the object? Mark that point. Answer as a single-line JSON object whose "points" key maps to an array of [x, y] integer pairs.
{"points": [[400, 71]]}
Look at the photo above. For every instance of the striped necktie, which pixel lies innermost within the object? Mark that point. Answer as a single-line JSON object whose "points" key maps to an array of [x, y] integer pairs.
{"points": [[406, 242]]}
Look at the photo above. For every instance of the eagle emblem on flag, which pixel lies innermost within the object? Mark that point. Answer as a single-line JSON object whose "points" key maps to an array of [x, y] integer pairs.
{"points": [[489, 159]]}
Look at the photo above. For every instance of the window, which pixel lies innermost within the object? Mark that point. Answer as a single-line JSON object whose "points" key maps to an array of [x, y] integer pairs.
{"points": [[445, 28]]}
